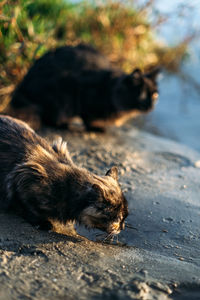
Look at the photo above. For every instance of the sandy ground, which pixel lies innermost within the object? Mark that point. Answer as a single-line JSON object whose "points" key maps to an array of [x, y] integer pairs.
{"points": [[156, 257]]}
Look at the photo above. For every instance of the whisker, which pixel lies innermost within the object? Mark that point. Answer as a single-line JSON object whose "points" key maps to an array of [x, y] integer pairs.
{"points": [[130, 226], [100, 234], [109, 236], [117, 239], [112, 238]]}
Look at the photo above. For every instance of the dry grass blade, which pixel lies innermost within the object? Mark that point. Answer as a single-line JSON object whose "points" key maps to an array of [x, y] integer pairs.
{"points": [[7, 90]]}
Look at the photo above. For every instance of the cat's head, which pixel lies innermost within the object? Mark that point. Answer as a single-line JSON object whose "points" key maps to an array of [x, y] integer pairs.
{"points": [[137, 91], [107, 208]]}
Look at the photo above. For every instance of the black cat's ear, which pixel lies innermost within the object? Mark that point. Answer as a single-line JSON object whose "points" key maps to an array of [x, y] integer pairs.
{"points": [[113, 172], [153, 74], [136, 76]]}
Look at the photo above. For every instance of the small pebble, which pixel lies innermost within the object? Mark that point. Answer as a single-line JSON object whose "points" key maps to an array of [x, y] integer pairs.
{"points": [[183, 187], [143, 272], [167, 247], [122, 172], [92, 135], [181, 258], [169, 219], [175, 285]]}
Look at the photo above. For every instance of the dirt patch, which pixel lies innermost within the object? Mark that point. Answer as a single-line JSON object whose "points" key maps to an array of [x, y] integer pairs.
{"points": [[156, 257]]}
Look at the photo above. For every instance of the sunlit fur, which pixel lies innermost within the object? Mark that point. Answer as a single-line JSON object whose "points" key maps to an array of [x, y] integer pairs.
{"points": [[41, 183], [79, 81], [109, 210]]}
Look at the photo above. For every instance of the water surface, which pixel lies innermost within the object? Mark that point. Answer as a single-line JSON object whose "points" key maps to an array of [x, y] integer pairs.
{"points": [[177, 115]]}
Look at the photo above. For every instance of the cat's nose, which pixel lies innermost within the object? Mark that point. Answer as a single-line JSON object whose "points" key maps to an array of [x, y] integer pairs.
{"points": [[155, 96]]}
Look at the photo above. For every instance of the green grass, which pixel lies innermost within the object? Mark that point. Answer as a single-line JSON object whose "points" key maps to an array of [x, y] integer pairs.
{"points": [[28, 28]]}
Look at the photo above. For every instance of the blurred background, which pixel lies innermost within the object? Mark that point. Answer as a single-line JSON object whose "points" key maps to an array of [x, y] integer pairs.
{"points": [[130, 33]]}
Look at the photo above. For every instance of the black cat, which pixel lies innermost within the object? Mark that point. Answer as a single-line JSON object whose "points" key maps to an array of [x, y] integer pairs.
{"points": [[79, 81]]}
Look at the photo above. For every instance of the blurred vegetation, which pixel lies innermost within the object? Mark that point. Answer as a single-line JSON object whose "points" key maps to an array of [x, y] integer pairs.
{"points": [[28, 28]]}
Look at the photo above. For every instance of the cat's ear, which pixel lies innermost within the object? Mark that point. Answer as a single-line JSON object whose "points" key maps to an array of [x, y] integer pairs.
{"points": [[137, 73], [136, 76], [113, 172], [153, 74]]}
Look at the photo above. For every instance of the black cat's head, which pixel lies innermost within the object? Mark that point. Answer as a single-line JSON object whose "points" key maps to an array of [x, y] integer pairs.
{"points": [[107, 208], [137, 91]]}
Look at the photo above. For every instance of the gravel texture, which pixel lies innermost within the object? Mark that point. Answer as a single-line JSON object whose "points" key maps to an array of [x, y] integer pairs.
{"points": [[156, 257]]}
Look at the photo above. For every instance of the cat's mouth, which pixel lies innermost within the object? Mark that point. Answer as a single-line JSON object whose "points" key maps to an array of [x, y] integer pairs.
{"points": [[114, 232], [91, 221], [112, 229], [115, 228]]}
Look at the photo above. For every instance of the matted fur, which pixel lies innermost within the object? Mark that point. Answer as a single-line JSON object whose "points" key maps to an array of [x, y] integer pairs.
{"points": [[41, 183], [79, 81]]}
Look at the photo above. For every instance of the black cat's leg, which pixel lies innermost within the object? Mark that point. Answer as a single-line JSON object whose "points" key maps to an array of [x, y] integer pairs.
{"points": [[64, 126], [55, 116], [91, 127]]}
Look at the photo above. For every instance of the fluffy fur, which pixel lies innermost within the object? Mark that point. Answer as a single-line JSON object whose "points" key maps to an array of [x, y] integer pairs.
{"points": [[79, 81], [41, 183]]}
